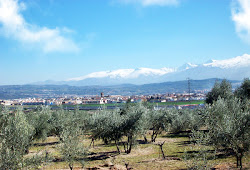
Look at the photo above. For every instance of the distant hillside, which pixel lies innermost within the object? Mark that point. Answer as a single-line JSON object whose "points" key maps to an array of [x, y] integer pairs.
{"points": [[50, 91]]}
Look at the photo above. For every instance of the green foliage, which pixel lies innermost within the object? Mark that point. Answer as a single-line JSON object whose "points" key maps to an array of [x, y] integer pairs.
{"points": [[199, 159], [158, 121], [196, 118], [18, 130], [71, 146], [113, 125], [229, 126], [135, 118], [68, 126], [179, 120], [107, 125], [243, 91], [62, 118], [182, 120], [15, 139], [40, 120], [59, 119], [223, 90], [4, 114], [227, 120]]}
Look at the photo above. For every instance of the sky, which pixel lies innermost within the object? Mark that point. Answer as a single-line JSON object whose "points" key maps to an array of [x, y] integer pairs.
{"points": [[61, 39]]}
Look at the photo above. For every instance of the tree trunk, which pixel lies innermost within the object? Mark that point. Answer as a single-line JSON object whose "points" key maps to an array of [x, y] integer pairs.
{"points": [[239, 161], [92, 141], [106, 142], [128, 145], [118, 150], [124, 147], [130, 148], [130, 142], [127, 166], [163, 155], [145, 139], [70, 166], [162, 152], [154, 136], [26, 150]]}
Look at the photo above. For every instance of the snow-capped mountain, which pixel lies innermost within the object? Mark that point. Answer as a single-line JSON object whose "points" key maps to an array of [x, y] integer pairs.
{"points": [[236, 68], [126, 73], [121, 76], [237, 62]]}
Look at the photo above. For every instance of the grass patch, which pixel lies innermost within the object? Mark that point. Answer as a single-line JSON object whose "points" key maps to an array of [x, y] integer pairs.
{"points": [[143, 156]]}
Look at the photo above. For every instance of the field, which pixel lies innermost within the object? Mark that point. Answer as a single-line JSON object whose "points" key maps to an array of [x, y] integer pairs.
{"points": [[158, 103], [169, 103], [180, 102], [179, 152]]}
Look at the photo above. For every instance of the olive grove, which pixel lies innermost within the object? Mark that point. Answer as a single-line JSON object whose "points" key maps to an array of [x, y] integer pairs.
{"points": [[225, 121]]}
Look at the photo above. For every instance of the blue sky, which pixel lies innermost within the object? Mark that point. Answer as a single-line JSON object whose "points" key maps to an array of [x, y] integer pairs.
{"points": [[60, 39]]}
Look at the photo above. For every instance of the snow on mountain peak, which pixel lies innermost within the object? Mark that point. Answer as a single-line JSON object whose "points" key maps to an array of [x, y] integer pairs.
{"points": [[101, 74], [239, 61], [187, 66], [150, 72], [125, 73]]}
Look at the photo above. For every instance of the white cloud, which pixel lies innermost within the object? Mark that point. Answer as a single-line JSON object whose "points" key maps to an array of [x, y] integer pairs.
{"points": [[151, 2], [241, 17], [14, 26]]}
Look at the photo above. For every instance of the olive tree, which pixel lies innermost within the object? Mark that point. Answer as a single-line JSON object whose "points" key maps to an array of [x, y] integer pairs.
{"points": [[221, 89], [158, 121], [243, 91], [40, 120], [179, 120], [16, 135], [61, 118], [71, 146], [114, 125], [229, 126], [200, 158], [107, 125], [134, 124]]}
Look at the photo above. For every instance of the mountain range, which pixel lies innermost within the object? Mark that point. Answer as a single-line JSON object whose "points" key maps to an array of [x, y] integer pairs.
{"points": [[50, 91], [236, 68]]}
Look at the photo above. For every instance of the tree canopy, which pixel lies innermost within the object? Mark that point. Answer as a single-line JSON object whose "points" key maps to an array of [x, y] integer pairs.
{"points": [[221, 89]]}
